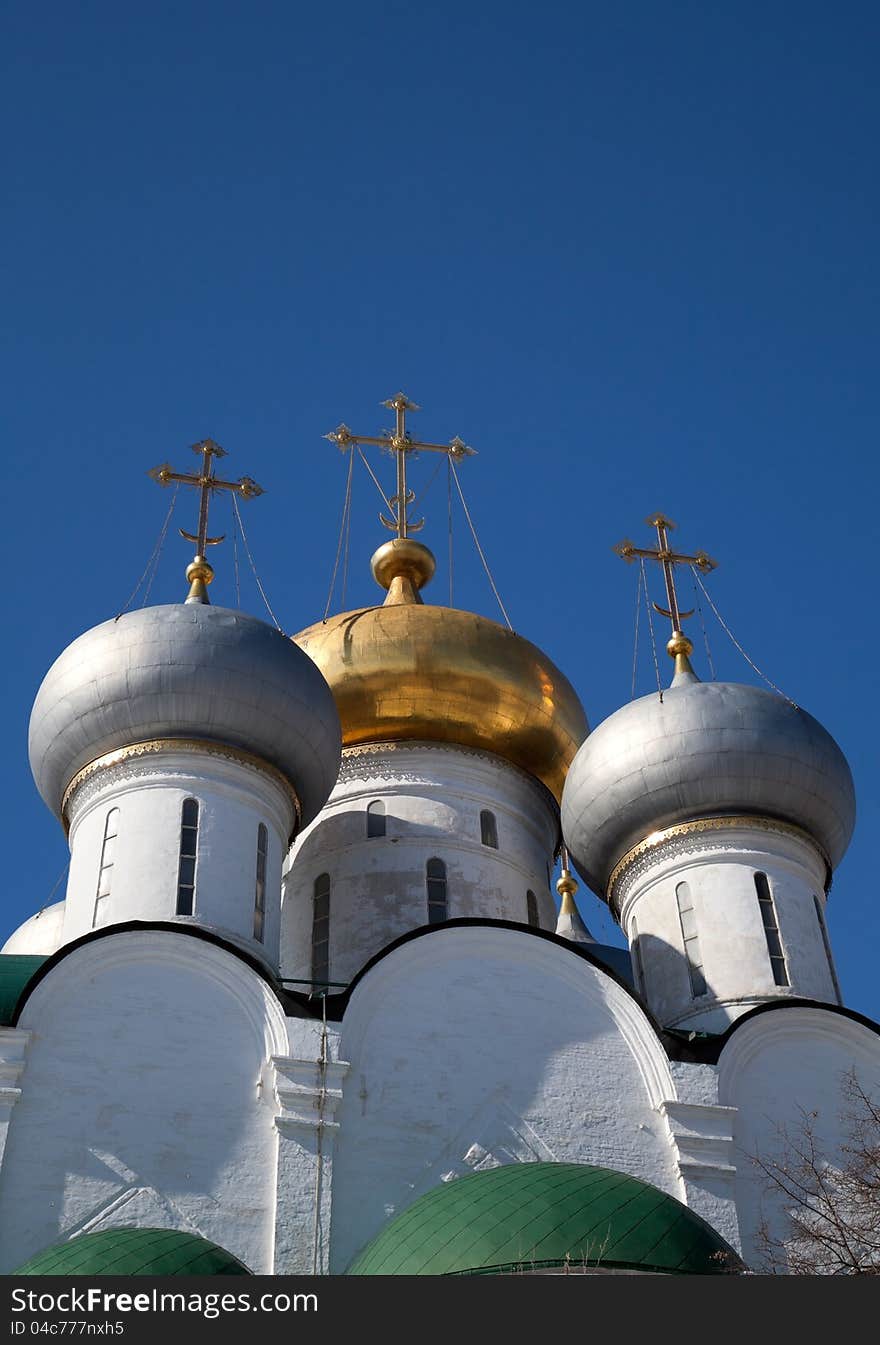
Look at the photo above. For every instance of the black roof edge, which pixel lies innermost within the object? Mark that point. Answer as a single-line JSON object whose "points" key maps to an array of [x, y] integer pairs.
{"points": [[337, 1004], [108, 931], [705, 1048]]}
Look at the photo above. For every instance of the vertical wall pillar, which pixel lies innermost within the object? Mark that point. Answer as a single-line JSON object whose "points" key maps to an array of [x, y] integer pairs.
{"points": [[13, 1048], [308, 1093]]}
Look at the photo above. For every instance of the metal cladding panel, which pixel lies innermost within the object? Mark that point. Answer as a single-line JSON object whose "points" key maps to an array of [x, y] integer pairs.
{"points": [[186, 670], [134, 1251], [536, 1215], [708, 747]]}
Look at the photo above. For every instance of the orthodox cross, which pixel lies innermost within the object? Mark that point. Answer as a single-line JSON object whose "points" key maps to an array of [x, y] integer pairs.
{"points": [[199, 572], [400, 442], [668, 559], [207, 482]]}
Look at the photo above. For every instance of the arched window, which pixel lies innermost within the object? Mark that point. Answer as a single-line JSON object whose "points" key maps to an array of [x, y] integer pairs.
{"points": [[532, 909], [321, 929], [820, 916], [189, 844], [688, 922], [105, 870], [771, 929], [435, 875], [375, 819], [260, 885], [488, 829]]}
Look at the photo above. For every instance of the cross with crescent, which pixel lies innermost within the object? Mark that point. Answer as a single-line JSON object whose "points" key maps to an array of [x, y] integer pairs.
{"points": [[207, 482], [400, 442], [668, 559]]}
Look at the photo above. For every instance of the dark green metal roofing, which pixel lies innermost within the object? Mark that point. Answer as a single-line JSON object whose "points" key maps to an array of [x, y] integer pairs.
{"points": [[537, 1215], [134, 1251], [16, 969]]}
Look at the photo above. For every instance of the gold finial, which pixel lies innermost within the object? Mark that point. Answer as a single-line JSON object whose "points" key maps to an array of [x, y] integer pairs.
{"points": [[403, 567], [400, 442], [199, 573], [567, 886], [569, 924], [679, 647]]}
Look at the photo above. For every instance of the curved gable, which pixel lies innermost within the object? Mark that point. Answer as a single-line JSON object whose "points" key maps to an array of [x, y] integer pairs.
{"points": [[479, 1046]]}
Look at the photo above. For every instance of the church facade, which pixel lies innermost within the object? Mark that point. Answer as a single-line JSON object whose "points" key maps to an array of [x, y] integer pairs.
{"points": [[308, 1006]]}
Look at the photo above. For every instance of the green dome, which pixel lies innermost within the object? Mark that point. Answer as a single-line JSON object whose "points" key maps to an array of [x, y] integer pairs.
{"points": [[134, 1251], [538, 1215]]}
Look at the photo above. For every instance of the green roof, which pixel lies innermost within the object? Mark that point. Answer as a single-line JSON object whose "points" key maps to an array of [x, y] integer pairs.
{"points": [[534, 1215], [16, 969], [134, 1251]]}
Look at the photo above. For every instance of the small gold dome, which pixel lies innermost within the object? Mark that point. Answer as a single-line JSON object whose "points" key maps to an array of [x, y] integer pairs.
{"points": [[407, 670]]}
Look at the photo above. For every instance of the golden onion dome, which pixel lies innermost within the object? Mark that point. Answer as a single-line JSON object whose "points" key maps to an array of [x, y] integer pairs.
{"points": [[408, 671]]}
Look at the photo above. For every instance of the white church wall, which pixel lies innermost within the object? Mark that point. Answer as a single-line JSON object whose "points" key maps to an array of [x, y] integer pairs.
{"points": [[470, 1047], [718, 868], [433, 795], [234, 799], [775, 1069], [169, 1123], [308, 1086]]}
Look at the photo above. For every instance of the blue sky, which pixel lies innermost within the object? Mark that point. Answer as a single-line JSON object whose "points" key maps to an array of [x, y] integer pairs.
{"points": [[628, 252]]}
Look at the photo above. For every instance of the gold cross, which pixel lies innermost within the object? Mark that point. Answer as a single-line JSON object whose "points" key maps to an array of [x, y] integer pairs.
{"points": [[400, 442], [207, 482], [668, 559]]}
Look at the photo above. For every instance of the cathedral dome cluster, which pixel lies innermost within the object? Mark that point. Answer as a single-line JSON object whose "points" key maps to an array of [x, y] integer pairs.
{"points": [[326, 998], [185, 671], [406, 671], [703, 750]]}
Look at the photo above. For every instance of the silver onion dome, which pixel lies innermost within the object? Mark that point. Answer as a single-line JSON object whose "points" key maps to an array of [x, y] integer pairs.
{"points": [[186, 670], [708, 749]]}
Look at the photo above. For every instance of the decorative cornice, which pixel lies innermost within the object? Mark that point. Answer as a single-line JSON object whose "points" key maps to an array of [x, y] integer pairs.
{"points": [[308, 1093], [640, 855], [350, 770], [154, 746]]}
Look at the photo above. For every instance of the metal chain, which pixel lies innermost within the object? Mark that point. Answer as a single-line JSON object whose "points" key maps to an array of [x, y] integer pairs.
{"points": [[235, 570], [477, 545], [346, 505], [388, 505], [651, 625], [449, 518], [734, 640], [253, 566], [705, 633], [154, 557], [636, 641], [345, 555]]}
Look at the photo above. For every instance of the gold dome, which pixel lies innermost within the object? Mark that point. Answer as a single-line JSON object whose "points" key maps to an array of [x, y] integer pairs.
{"points": [[407, 670]]}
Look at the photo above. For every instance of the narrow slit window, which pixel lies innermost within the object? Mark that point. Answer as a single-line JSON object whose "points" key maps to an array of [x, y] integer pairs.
{"points": [[435, 877], [820, 916], [488, 829], [771, 930], [105, 869], [375, 819], [321, 930], [260, 884], [688, 920], [532, 909], [189, 845]]}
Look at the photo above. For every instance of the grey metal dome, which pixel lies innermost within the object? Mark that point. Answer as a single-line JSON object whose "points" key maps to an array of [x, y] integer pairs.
{"points": [[187, 670], [709, 748]]}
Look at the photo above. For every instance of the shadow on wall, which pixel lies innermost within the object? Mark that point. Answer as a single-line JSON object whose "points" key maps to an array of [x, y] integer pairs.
{"points": [[669, 980]]}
